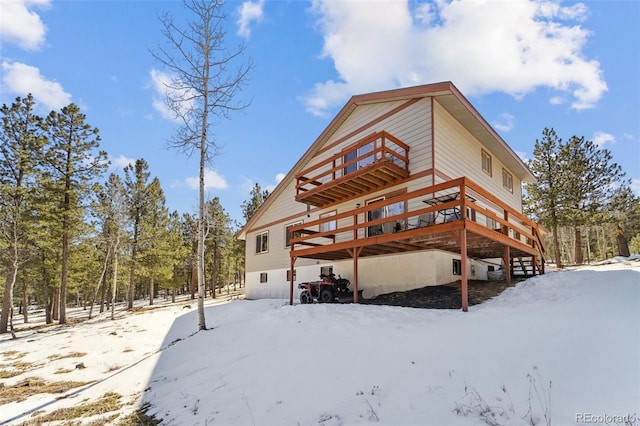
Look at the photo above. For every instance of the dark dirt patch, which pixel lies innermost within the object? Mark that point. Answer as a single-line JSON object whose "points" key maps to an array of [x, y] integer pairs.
{"points": [[447, 296]]}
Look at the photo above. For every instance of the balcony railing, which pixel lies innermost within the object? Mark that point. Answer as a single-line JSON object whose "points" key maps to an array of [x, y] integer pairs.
{"points": [[429, 218], [373, 162]]}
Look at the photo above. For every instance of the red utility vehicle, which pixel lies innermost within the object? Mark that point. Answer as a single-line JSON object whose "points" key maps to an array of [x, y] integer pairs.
{"points": [[328, 289]]}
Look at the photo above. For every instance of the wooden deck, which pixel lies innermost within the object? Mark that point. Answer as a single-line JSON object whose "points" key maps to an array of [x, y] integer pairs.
{"points": [[466, 219], [372, 163]]}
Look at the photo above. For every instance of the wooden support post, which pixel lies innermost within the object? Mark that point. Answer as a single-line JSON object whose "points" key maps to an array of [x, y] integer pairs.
{"points": [[355, 252], [293, 262], [507, 265], [463, 266], [534, 264]]}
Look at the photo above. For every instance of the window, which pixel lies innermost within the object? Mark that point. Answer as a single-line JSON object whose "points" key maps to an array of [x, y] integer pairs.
{"points": [[362, 162], [263, 277], [326, 270], [507, 180], [471, 214], [457, 267], [329, 225], [486, 163], [382, 212], [287, 234], [492, 224], [289, 275], [262, 242]]}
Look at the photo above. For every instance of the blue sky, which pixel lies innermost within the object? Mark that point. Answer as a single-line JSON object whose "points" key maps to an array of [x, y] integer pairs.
{"points": [[525, 65]]}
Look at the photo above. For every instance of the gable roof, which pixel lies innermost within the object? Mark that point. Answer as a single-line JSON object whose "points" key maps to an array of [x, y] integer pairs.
{"points": [[447, 95]]}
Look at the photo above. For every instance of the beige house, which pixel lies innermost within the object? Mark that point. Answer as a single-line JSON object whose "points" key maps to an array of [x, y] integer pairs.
{"points": [[404, 188]]}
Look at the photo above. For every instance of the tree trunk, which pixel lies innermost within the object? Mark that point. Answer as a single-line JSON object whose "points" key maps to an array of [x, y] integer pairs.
{"points": [[588, 246], [10, 281], [151, 291], [193, 285], [101, 279], [103, 288], [46, 294], [55, 304], [201, 214], [556, 247], [114, 285], [62, 318], [25, 302], [578, 247], [134, 257]]}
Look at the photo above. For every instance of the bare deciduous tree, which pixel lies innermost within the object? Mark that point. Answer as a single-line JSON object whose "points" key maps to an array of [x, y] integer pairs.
{"points": [[203, 85]]}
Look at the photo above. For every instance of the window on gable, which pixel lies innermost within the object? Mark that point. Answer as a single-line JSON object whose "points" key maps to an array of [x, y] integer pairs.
{"points": [[262, 242], [486, 163], [507, 180], [287, 234]]}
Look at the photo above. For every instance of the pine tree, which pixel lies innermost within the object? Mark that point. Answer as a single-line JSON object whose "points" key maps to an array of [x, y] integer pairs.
{"points": [[178, 255], [155, 239], [111, 214], [217, 239], [258, 196], [72, 163], [136, 178], [21, 145], [590, 184], [544, 199]]}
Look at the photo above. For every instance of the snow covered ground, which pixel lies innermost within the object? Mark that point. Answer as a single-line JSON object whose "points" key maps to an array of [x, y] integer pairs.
{"points": [[561, 349]]}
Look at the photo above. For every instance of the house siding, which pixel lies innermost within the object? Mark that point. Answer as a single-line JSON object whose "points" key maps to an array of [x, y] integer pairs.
{"points": [[457, 154], [398, 273], [412, 126]]}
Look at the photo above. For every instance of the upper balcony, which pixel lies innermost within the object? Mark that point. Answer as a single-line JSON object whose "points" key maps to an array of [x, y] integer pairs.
{"points": [[369, 164]]}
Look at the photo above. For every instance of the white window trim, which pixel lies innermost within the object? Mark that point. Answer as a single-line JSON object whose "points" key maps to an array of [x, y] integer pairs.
{"points": [[257, 236], [332, 225], [487, 155], [509, 188], [287, 244]]}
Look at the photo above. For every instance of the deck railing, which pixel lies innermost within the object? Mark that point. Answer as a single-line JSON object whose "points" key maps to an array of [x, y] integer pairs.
{"points": [[446, 203], [371, 151]]}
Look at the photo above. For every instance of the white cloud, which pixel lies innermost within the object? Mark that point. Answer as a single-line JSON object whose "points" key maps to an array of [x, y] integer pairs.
{"points": [[601, 138], [120, 162], [512, 47], [212, 180], [278, 179], [506, 122], [23, 79], [165, 86], [248, 184], [557, 100], [628, 136], [249, 11], [21, 25]]}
